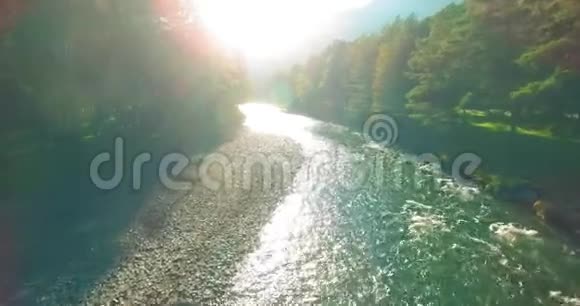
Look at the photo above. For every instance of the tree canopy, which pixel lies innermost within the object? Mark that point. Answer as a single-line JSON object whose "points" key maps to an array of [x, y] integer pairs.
{"points": [[76, 74], [515, 60]]}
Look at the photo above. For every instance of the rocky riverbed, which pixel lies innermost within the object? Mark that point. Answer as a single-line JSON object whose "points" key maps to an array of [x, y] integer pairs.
{"points": [[185, 246]]}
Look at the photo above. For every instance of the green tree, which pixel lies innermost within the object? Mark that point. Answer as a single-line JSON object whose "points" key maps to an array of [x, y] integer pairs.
{"points": [[391, 82]]}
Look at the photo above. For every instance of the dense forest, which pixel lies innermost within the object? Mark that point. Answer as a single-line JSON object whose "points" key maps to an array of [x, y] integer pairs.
{"points": [[76, 74], [517, 63], [495, 78]]}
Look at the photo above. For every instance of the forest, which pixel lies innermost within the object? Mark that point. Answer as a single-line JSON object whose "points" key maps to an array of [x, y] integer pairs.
{"points": [[76, 74], [492, 77], [497, 78], [516, 63]]}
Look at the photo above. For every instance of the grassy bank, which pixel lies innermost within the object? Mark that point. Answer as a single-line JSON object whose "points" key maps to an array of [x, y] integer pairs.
{"points": [[518, 165]]}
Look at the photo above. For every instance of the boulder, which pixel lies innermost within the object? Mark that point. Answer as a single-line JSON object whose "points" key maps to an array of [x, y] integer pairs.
{"points": [[559, 217]]}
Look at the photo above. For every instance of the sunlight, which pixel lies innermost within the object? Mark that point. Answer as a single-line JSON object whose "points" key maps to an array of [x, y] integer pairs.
{"points": [[265, 118], [263, 29], [269, 119]]}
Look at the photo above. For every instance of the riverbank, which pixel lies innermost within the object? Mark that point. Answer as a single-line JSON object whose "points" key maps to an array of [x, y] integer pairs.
{"points": [[184, 247], [538, 174], [331, 241]]}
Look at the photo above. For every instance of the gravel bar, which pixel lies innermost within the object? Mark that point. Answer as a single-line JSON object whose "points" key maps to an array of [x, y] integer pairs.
{"points": [[185, 247]]}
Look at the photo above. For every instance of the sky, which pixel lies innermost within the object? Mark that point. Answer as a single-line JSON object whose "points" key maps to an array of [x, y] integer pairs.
{"points": [[273, 34], [369, 19], [373, 17], [352, 24]]}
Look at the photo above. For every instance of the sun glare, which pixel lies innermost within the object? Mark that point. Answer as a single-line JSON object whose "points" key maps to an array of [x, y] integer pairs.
{"points": [[263, 29]]}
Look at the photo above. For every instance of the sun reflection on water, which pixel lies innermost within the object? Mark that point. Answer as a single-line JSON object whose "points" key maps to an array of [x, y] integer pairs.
{"points": [[270, 119], [276, 266]]}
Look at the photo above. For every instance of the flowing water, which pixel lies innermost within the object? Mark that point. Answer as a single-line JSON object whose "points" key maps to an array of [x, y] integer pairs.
{"points": [[368, 225]]}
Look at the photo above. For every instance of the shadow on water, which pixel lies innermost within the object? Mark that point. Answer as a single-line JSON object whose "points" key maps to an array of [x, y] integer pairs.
{"points": [[504, 153]]}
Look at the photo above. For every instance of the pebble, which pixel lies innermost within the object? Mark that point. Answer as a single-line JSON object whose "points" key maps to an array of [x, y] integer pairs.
{"points": [[193, 253]]}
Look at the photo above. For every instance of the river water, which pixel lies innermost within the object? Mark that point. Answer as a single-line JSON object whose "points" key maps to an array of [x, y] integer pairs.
{"points": [[369, 225]]}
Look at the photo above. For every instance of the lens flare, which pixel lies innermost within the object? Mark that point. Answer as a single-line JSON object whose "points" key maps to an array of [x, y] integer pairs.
{"points": [[270, 28]]}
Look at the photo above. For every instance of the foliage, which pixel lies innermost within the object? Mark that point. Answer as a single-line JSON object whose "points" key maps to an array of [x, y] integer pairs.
{"points": [[75, 74], [517, 58]]}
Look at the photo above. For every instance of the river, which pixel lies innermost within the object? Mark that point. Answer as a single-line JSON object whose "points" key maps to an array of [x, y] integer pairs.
{"points": [[369, 225]]}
